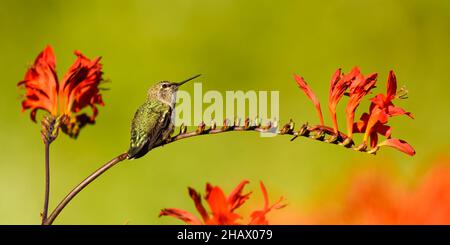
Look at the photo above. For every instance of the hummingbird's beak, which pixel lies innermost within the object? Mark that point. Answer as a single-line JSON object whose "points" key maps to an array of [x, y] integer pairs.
{"points": [[187, 80]]}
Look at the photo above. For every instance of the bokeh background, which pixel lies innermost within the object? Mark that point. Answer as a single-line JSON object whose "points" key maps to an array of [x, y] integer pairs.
{"points": [[236, 45]]}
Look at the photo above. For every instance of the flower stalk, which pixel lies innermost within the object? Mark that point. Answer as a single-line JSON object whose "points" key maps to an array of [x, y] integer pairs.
{"points": [[63, 100], [82, 185], [47, 182], [49, 132]]}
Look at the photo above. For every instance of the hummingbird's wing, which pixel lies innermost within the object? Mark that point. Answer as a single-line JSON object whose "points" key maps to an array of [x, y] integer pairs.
{"points": [[147, 127]]}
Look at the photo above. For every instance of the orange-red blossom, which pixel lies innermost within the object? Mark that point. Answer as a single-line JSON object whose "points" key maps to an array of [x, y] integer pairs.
{"points": [[79, 88], [371, 124], [223, 207]]}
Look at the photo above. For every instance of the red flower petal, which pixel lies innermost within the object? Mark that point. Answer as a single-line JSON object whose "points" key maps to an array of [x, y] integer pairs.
{"points": [[376, 116], [353, 74], [259, 216], [379, 100], [181, 215], [373, 139], [198, 204], [304, 86], [398, 111], [391, 86], [358, 89], [360, 126], [384, 130], [41, 84], [79, 89], [236, 199], [80, 84], [217, 201], [400, 145], [338, 86], [219, 207], [265, 195], [337, 76]]}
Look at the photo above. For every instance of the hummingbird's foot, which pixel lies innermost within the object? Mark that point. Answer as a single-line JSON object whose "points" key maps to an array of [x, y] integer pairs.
{"points": [[168, 140]]}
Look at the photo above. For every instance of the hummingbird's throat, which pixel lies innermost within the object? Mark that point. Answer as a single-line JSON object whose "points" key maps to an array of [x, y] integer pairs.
{"points": [[168, 98]]}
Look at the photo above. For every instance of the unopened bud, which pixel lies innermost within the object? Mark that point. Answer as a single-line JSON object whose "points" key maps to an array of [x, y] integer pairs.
{"points": [[183, 129], [257, 122], [247, 122], [361, 147], [201, 127], [237, 122], [348, 142], [225, 124]]}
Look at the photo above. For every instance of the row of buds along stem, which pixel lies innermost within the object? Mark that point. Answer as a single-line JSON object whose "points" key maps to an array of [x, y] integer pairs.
{"points": [[237, 125], [320, 133]]}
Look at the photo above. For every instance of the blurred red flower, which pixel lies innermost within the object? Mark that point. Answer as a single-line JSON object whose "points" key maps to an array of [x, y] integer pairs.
{"points": [[78, 89], [259, 216], [376, 199], [222, 207]]}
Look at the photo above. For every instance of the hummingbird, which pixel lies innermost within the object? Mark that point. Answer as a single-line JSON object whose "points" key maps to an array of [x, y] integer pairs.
{"points": [[153, 120]]}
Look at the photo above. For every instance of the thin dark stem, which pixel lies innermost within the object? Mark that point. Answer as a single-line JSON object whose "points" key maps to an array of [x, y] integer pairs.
{"points": [[316, 132], [47, 182], [82, 185]]}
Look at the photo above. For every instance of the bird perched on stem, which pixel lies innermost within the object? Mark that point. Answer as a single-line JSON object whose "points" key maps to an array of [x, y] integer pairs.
{"points": [[153, 121]]}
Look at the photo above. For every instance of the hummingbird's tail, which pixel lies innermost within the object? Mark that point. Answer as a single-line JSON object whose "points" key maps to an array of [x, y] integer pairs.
{"points": [[137, 152]]}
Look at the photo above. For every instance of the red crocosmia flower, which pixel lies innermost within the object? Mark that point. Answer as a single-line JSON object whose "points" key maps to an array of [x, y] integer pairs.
{"points": [[371, 124], [222, 208], [304, 86], [78, 89], [385, 101], [259, 216], [359, 88], [338, 85], [381, 109]]}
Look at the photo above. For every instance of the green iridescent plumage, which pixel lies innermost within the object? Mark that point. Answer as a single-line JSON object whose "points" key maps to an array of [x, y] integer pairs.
{"points": [[152, 123], [147, 128]]}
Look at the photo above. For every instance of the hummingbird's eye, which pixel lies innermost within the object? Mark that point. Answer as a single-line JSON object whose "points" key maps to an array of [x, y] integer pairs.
{"points": [[165, 85]]}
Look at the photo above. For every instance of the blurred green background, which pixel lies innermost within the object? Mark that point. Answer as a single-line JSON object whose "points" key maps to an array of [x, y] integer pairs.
{"points": [[236, 45]]}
